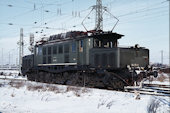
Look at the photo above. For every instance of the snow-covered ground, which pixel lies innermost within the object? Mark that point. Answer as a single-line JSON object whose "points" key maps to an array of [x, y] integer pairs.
{"points": [[32, 97], [162, 79], [9, 74]]}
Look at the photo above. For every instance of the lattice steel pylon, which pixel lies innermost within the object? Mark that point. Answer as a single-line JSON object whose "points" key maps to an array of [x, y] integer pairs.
{"points": [[99, 15], [100, 10]]}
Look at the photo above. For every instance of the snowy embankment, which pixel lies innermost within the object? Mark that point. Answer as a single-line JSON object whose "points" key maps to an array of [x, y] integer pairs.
{"points": [[32, 97]]}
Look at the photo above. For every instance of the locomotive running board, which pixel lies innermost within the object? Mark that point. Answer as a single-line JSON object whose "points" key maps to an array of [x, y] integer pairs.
{"points": [[57, 64]]}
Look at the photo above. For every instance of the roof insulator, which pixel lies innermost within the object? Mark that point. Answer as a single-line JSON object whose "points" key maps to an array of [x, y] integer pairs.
{"points": [[10, 23], [47, 11], [10, 5]]}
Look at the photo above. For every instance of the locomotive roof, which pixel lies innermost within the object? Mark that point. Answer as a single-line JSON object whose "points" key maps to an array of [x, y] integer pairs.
{"points": [[107, 35], [78, 35]]}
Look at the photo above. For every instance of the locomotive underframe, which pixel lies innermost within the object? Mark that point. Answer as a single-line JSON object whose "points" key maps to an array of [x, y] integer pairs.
{"points": [[84, 76]]}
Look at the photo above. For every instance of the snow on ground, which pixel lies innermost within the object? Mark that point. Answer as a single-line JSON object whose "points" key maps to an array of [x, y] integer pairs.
{"points": [[162, 79], [10, 74], [13, 77], [32, 97]]}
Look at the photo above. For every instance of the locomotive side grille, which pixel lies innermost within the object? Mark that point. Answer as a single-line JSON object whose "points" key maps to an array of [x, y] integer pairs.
{"points": [[104, 60], [44, 60], [96, 60], [49, 59], [66, 58], [44, 51], [111, 59]]}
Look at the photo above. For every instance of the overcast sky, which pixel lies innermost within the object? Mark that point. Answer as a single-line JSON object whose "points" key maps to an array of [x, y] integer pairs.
{"points": [[143, 22]]}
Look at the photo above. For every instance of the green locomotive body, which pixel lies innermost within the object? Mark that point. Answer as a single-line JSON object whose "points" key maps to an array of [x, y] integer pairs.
{"points": [[85, 59], [98, 51]]}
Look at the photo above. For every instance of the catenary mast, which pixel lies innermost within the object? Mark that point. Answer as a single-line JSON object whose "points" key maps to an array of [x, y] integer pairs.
{"points": [[99, 11], [99, 17], [21, 49]]}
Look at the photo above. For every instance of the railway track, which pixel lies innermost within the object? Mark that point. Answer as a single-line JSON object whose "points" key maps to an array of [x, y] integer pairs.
{"points": [[16, 79], [157, 85], [150, 89], [145, 89]]}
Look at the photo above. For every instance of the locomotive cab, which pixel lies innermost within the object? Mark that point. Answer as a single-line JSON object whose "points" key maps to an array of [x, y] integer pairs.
{"points": [[107, 54], [104, 51], [106, 40]]}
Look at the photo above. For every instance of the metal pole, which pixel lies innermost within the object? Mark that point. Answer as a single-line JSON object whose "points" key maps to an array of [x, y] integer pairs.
{"points": [[2, 56], [22, 45], [84, 82], [20, 53], [16, 61], [169, 35], [162, 57], [99, 15], [9, 58], [20, 49]]}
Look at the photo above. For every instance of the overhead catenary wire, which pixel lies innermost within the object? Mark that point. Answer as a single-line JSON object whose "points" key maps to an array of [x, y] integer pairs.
{"points": [[139, 11], [125, 15], [13, 6], [142, 6], [79, 25], [121, 22], [66, 16], [32, 10]]}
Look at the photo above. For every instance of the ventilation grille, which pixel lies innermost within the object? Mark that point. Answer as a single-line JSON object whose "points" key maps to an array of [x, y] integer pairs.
{"points": [[105, 60], [96, 60]]}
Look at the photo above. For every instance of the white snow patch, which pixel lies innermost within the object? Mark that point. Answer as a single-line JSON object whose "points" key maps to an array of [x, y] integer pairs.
{"points": [[32, 97], [11, 74], [162, 79]]}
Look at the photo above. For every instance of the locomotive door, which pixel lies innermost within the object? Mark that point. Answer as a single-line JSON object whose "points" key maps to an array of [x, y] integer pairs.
{"points": [[80, 55]]}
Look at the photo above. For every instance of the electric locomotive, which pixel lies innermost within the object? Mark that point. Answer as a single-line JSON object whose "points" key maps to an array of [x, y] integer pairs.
{"points": [[89, 59]]}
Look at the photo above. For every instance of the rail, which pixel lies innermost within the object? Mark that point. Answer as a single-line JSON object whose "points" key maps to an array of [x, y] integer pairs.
{"points": [[150, 89]]}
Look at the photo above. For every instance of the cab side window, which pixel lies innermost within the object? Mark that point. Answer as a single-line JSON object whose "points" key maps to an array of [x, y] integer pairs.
{"points": [[74, 47]]}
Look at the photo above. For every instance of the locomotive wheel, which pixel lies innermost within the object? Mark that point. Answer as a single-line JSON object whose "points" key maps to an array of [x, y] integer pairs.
{"points": [[54, 78], [41, 76], [59, 78], [65, 77], [46, 77], [74, 77]]}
